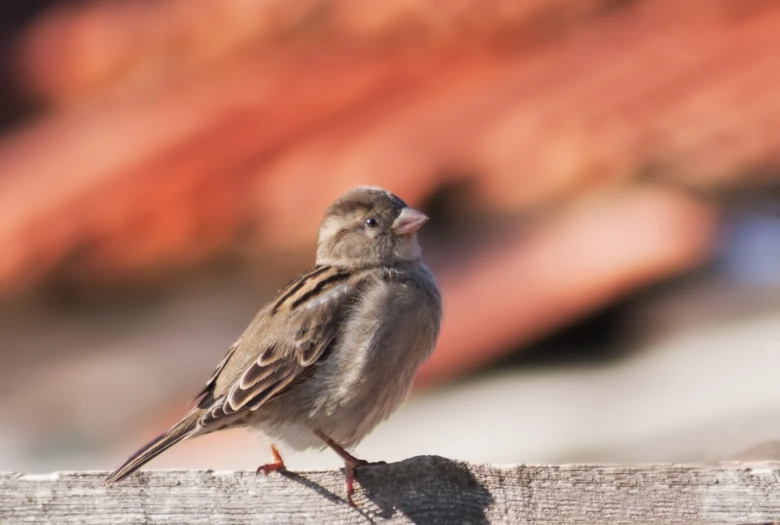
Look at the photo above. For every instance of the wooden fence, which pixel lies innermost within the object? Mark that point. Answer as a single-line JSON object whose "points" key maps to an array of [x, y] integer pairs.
{"points": [[419, 490]]}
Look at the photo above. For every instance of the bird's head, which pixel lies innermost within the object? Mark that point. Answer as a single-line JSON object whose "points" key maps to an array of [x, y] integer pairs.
{"points": [[369, 226]]}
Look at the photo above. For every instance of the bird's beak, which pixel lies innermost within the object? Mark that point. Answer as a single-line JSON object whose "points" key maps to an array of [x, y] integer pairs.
{"points": [[409, 221]]}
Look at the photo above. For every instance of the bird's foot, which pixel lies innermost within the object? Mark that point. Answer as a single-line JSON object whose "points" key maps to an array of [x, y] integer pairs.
{"points": [[349, 478], [350, 464], [275, 465], [349, 473], [270, 467]]}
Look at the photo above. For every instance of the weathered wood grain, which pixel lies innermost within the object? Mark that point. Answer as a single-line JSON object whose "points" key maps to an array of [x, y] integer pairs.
{"points": [[418, 490]]}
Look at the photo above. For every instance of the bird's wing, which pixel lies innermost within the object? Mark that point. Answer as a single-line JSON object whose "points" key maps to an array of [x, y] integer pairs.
{"points": [[287, 337], [213, 379]]}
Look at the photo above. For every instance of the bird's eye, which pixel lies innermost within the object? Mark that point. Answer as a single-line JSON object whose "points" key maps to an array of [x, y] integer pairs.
{"points": [[371, 222]]}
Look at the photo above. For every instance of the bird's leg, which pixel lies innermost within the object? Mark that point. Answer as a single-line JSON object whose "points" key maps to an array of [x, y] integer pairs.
{"points": [[277, 464], [338, 449], [349, 481], [350, 464]]}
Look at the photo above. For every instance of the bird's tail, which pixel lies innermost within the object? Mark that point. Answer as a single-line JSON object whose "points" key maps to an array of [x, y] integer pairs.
{"points": [[178, 432]]}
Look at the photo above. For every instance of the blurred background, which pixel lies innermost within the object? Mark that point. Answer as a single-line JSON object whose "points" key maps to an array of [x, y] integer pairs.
{"points": [[602, 177]]}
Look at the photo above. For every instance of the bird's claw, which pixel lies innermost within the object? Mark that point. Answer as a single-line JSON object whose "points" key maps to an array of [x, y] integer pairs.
{"points": [[350, 471], [363, 463], [269, 467]]}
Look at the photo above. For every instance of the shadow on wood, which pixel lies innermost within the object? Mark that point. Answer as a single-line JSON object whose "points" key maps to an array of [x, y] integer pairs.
{"points": [[413, 488], [418, 493]]}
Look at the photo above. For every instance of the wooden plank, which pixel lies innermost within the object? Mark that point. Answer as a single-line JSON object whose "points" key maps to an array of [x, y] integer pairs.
{"points": [[419, 490]]}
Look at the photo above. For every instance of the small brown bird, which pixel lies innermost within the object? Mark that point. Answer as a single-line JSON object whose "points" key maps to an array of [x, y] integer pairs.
{"points": [[336, 351]]}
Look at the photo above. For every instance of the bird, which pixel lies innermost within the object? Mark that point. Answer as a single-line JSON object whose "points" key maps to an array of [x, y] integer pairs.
{"points": [[335, 352]]}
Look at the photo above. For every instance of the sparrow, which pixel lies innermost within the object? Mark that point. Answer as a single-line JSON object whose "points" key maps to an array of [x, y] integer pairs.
{"points": [[336, 351]]}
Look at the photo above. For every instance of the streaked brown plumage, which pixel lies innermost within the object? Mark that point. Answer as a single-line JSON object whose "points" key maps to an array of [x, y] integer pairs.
{"points": [[336, 351]]}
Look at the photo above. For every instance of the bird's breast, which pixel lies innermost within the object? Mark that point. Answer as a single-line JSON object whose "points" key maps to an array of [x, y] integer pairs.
{"points": [[390, 332]]}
